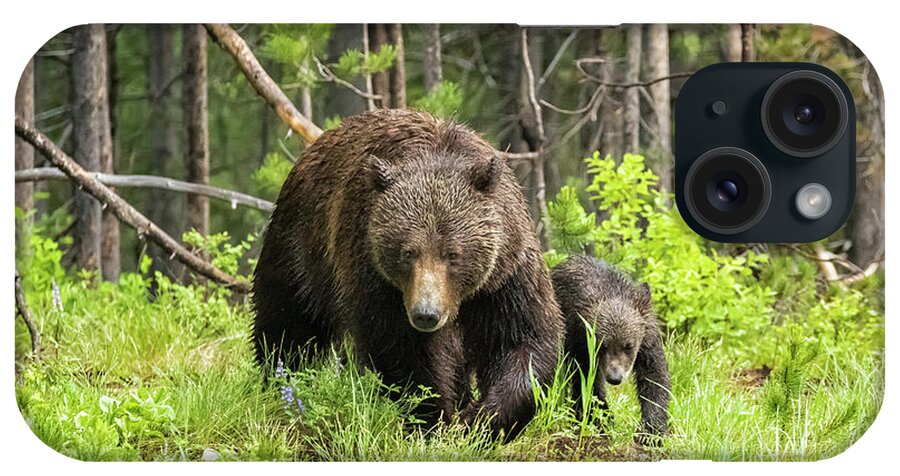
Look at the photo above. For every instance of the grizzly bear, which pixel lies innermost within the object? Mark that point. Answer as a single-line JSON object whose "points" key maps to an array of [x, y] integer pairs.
{"points": [[591, 291], [410, 235]]}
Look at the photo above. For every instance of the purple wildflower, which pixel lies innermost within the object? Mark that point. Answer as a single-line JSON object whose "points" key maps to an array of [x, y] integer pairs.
{"points": [[287, 395], [279, 370], [55, 296]]}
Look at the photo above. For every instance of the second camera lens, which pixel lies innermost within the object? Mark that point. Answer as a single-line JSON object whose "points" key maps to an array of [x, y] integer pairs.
{"points": [[727, 190]]}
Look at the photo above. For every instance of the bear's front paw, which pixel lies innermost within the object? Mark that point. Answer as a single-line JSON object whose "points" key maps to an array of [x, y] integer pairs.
{"points": [[649, 436]]}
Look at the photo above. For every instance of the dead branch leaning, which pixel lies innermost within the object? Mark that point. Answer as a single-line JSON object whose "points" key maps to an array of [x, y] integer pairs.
{"points": [[262, 82], [123, 210]]}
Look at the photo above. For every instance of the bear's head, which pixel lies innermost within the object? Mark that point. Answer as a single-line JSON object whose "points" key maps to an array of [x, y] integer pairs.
{"points": [[435, 230], [620, 329]]}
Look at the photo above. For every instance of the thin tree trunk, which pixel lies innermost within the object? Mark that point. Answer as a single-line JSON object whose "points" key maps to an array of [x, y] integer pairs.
{"points": [[378, 37], [432, 60], [89, 93], [734, 45], [748, 47], [306, 102], [110, 249], [163, 209], [24, 154], [197, 123], [532, 122], [866, 223], [24, 151], [370, 84], [611, 117], [398, 70], [632, 102], [658, 59]]}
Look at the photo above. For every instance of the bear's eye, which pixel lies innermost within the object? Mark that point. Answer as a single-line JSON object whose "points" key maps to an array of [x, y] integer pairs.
{"points": [[452, 257], [408, 255], [629, 347]]}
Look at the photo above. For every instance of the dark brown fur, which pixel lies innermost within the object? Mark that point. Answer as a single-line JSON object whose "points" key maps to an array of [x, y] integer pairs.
{"points": [[396, 215], [626, 329]]}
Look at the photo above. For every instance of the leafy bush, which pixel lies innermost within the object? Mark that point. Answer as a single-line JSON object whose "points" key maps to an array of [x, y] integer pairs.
{"points": [[443, 101]]}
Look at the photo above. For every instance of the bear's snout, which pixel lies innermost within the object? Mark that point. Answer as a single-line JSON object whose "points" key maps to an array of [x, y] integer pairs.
{"points": [[428, 302]]}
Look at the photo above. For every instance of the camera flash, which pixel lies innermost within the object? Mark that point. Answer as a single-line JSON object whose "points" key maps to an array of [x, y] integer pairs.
{"points": [[813, 201]]}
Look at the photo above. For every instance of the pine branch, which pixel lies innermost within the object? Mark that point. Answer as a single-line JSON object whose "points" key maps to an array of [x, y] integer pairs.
{"points": [[122, 209]]}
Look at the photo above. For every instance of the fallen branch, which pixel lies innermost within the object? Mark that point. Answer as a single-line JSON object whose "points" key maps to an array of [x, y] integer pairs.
{"points": [[122, 209], [22, 310], [151, 181], [262, 82], [826, 265]]}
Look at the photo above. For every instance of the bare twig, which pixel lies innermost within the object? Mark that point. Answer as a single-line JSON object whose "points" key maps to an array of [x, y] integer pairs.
{"points": [[510, 156], [329, 76], [579, 64], [262, 82], [22, 310], [556, 58], [122, 209], [151, 181]]}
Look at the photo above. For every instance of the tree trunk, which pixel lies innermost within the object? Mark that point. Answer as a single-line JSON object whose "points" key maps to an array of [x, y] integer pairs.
{"points": [[110, 249], [378, 37], [611, 115], [24, 153], [398, 70], [748, 48], [89, 94], [658, 59], [734, 45], [196, 122], [163, 209], [432, 60], [866, 224], [632, 101]]}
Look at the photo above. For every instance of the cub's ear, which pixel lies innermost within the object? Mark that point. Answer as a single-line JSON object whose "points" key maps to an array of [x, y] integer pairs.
{"points": [[486, 175], [381, 174], [645, 297]]}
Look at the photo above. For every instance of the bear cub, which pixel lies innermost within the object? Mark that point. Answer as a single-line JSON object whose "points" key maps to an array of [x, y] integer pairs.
{"points": [[626, 329]]}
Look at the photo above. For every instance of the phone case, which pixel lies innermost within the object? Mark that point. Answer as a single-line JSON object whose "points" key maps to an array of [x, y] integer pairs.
{"points": [[389, 242]]}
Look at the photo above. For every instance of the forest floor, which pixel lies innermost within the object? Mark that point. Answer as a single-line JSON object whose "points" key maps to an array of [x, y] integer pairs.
{"points": [[124, 378]]}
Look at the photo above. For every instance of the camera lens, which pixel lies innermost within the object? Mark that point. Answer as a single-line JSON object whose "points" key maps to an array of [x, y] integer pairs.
{"points": [[727, 190], [804, 113]]}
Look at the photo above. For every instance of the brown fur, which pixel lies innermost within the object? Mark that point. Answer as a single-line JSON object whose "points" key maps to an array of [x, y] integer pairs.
{"points": [[395, 220], [626, 329]]}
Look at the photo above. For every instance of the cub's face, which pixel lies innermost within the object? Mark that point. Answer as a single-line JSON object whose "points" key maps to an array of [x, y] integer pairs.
{"points": [[620, 326], [434, 232]]}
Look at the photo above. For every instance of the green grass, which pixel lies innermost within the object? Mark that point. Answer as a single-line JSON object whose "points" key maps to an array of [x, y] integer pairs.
{"points": [[123, 378]]}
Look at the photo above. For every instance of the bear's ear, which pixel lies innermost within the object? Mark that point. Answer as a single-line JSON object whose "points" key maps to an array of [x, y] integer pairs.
{"points": [[380, 173], [645, 297], [486, 176]]}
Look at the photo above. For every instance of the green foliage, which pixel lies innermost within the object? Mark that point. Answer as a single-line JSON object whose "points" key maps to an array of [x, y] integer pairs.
{"points": [[271, 175], [355, 63], [332, 122], [296, 46], [222, 254], [784, 389], [443, 101]]}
